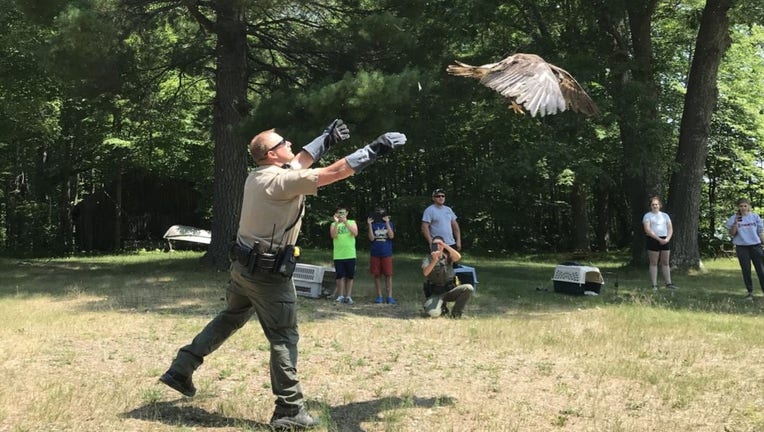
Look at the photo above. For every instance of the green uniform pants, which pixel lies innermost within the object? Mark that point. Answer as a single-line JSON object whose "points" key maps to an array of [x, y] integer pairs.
{"points": [[273, 299]]}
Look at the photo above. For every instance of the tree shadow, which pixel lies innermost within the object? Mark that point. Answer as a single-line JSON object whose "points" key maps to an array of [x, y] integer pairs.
{"points": [[178, 413]]}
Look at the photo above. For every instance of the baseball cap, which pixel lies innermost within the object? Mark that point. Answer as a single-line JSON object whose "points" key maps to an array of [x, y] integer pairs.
{"points": [[438, 191]]}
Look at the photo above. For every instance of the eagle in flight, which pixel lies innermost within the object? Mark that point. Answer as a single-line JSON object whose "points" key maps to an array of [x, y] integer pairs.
{"points": [[530, 82]]}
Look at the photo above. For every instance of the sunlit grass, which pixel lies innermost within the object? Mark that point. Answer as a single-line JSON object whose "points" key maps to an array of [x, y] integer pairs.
{"points": [[84, 340]]}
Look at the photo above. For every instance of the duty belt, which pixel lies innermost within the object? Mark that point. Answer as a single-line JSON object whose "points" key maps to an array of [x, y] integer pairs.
{"points": [[282, 262]]}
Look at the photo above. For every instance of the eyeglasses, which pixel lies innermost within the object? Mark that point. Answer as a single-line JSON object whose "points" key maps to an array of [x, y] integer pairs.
{"points": [[439, 196]]}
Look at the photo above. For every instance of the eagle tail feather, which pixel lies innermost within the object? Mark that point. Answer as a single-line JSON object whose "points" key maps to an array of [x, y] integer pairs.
{"points": [[465, 70]]}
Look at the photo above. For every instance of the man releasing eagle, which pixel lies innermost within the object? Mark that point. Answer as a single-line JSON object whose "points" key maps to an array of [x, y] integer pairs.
{"points": [[527, 80]]}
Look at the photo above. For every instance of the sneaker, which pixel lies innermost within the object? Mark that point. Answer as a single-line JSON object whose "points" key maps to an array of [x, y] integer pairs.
{"points": [[348, 300], [301, 420], [379, 299], [391, 300], [749, 296], [671, 286], [655, 287], [179, 382], [340, 299]]}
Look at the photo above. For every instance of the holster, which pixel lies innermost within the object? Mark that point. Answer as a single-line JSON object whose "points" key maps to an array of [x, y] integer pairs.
{"points": [[281, 262]]}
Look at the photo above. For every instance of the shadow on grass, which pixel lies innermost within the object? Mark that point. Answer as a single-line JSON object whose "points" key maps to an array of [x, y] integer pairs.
{"points": [[179, 413], [347, 417], [178, 284]]}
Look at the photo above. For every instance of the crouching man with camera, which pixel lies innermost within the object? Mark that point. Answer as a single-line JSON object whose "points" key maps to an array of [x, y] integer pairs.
{"points": [[441, 285], [264, 257]]}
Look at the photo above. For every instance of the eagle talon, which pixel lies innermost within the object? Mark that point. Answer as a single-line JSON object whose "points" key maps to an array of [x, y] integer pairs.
{"points": [[517, 108]]}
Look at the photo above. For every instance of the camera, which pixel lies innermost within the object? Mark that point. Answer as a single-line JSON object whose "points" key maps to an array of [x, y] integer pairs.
{"points": [[378, 214], [433, 247]]}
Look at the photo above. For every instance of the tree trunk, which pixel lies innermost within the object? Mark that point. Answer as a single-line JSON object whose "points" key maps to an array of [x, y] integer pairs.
{"points": [[117, 232], [699, 102], [635, 95], [580, 218], [230, 107], [602, 216]]}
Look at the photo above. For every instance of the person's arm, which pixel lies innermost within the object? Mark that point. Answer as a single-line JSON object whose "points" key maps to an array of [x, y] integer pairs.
{"points": [[360, 159], [426, 232], [457, 233], [646, 225], [669, 230], [389, 226], [333, 228], [369, 221], [336, 131], [732, 225], [455, 256], [434, 257], [352, 227], [335, 172]]}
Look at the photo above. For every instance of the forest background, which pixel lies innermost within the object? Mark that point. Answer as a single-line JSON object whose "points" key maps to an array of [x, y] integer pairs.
{"points": [[119, 118]]}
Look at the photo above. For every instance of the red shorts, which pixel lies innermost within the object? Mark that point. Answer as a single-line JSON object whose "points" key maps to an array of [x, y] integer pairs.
{"points": [[379, 266]]}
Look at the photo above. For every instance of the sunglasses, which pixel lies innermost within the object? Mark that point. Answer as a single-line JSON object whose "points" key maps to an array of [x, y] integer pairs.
{"points": [[280, 143], [439, 196]]}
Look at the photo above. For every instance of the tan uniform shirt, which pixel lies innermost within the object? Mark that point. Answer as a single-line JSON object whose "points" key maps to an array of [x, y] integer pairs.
{"points": [[272, 201]]}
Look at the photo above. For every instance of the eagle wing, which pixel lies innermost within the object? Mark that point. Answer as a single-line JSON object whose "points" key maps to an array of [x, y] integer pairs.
{"points": [[526, 79], [575, 96]]}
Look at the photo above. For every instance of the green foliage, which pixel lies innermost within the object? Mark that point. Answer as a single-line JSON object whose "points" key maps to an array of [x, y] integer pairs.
{"points": [[93, 88]]}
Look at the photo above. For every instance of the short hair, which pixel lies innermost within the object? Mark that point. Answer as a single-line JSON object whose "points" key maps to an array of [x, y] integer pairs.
{"points": [[258, 147], [743, 201]]}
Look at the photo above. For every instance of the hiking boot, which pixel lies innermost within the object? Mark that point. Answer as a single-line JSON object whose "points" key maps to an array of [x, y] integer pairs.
{"points": [[179, 382], [301, 420], [379, 300]]}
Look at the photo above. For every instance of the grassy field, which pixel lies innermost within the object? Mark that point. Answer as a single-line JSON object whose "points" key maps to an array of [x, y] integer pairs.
{"points": [[85, 339]]}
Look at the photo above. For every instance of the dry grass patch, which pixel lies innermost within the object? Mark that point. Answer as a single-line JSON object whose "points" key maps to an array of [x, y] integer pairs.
{"points": [[84, 341]]}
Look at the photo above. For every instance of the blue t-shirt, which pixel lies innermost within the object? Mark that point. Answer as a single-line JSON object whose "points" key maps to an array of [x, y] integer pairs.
{"points": [[382, 246]]}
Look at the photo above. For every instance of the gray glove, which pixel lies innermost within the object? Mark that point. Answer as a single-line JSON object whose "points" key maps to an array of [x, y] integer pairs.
{"points": [[363, 157], [386, 142], [334, 133]]}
